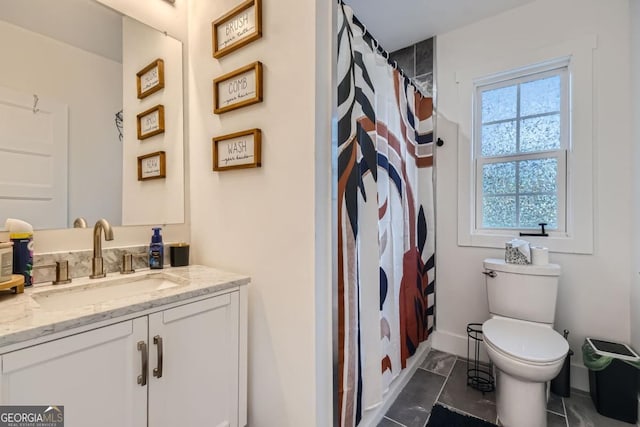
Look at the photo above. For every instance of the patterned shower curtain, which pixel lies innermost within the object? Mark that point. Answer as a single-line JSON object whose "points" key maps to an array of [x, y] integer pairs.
{"points": [[385, 221]]}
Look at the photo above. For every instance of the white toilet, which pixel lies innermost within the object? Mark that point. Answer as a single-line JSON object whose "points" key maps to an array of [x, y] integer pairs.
{"points": [[520, 340]]}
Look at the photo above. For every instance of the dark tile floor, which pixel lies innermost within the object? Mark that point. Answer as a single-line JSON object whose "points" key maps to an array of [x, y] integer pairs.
{"points": [[442, 378]]}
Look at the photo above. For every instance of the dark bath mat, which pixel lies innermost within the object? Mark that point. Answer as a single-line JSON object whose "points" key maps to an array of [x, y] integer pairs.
{"points": [[443, 417]]}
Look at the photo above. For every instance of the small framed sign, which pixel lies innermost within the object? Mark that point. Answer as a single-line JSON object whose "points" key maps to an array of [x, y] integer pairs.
{"points": [[151, 122], [152, 166], [150, 79], [237, 150], [238, 27], [238, 88]]}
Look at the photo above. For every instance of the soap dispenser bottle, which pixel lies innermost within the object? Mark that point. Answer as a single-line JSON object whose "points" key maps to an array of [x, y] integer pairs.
{"points": [[156, 250]]}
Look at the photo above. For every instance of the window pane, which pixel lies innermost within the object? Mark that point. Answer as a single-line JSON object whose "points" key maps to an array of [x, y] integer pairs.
{"points": [[499, 139], [499, 104], [499, 178], [498, 211], [537, 209], [538, 176], [540, 96], [540, 133]]}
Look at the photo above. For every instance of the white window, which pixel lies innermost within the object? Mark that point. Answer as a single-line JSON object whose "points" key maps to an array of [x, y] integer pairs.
{"points": [[524, 125], [521, 137]]}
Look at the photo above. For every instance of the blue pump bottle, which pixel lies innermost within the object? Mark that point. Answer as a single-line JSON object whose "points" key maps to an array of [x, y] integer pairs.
{"points": [[156, 250]]}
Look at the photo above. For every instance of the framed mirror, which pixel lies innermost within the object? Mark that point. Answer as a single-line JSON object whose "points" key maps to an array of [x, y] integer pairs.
{"points": [[68, 111]]}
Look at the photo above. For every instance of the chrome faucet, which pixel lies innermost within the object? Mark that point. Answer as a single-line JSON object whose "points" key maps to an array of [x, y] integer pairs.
{"points": [[97, 269]]}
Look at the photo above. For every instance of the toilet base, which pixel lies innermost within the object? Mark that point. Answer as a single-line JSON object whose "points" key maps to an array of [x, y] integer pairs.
{"points": [[520, 403]]}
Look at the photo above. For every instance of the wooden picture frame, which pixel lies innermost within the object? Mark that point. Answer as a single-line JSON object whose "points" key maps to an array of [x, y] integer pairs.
{"points": [[152, 166], [239, 150], [150, 79], [238, 88], [237, 28], [151, 122]]}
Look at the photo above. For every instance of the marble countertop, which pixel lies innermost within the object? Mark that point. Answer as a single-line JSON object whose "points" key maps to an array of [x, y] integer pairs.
{"points": [[22, 318]]}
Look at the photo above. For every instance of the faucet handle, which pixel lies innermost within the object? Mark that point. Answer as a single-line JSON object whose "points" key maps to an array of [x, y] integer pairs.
{"points": [[127, 264], [62, 273]]}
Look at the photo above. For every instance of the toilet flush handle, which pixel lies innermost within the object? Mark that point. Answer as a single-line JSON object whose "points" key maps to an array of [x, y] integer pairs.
{"points": [[490, 273]]}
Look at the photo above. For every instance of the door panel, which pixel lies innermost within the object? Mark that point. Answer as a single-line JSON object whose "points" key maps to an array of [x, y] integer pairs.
{"points": [[92, 374], [199, 383], [33, 159]]}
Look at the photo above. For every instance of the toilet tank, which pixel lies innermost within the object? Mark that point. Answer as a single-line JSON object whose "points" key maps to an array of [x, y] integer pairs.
{"points": [[525, 292]]}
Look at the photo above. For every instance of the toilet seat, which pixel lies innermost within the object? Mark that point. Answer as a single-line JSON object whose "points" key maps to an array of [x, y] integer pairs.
{"points": [[524, 341]]}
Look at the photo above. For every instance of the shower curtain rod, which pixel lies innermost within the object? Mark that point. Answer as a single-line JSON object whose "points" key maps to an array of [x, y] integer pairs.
{"points": [[374, 44]]}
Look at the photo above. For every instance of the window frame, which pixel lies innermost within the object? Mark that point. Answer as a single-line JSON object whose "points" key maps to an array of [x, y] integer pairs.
{"points": [[512, 78], [455, 124]]}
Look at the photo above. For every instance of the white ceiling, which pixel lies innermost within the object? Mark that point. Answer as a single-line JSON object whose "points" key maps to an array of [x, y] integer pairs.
{"points": [[400, 23]]}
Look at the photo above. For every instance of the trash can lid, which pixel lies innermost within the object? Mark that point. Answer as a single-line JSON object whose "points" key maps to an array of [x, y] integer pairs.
{"points": [[598, 354]]}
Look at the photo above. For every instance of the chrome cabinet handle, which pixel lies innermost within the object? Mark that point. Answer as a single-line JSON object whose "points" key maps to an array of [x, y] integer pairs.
{"points": [[490, 273], [142, 378], [157, 372]]}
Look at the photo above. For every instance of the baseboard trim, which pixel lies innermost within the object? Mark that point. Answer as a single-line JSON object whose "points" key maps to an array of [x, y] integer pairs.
{"points": [[372, 417], [579, 376], [457, 344]]}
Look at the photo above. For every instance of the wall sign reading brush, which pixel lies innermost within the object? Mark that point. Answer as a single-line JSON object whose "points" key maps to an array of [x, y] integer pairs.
{"points": [[237, 28]]}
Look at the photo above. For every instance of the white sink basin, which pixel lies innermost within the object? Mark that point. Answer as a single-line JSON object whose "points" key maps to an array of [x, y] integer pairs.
{"points": [[101, 291]]}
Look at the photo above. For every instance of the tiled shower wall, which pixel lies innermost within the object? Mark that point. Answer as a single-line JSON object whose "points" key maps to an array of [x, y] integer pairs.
{"points": [[417, 62]]}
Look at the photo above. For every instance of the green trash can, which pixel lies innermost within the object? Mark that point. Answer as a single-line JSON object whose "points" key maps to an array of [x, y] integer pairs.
{"points": [[613, 378]]}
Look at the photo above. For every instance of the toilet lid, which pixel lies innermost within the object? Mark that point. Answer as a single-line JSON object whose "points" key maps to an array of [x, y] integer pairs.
{"points": [[525, 341]]}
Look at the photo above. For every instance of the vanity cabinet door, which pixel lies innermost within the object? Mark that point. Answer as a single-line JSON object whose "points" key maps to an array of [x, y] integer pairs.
{"points": [[93, 374], [198, 385]]}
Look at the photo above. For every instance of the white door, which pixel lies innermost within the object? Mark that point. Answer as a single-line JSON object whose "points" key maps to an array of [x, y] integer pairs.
{"points": [[93, 374], [198, 385], [33, 159]]}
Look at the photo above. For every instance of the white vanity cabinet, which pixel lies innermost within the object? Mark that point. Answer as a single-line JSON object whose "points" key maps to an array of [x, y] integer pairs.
{"points": [[195, 360]]}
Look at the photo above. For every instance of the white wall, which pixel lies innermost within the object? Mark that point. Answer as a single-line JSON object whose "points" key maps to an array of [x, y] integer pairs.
{"points": [[635, 97], [158, 201], [594, 289], [90, 85], [161, 15], [262, 222]]}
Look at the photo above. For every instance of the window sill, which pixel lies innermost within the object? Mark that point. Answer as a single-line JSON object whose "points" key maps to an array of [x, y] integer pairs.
{"points": [[556, 242]]}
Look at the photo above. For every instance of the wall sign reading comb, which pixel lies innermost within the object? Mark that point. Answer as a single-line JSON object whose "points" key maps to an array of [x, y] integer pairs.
{"points": [[238, 88]]}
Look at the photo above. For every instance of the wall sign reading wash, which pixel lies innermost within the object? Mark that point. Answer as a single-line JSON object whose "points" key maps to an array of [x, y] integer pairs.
{"points": [[152, 166], [237, 150], [237, 28], [238, 88]]}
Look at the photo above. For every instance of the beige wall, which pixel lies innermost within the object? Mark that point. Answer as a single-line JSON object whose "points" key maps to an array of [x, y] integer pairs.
{"points": [[593, 298], [263, 221]]}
